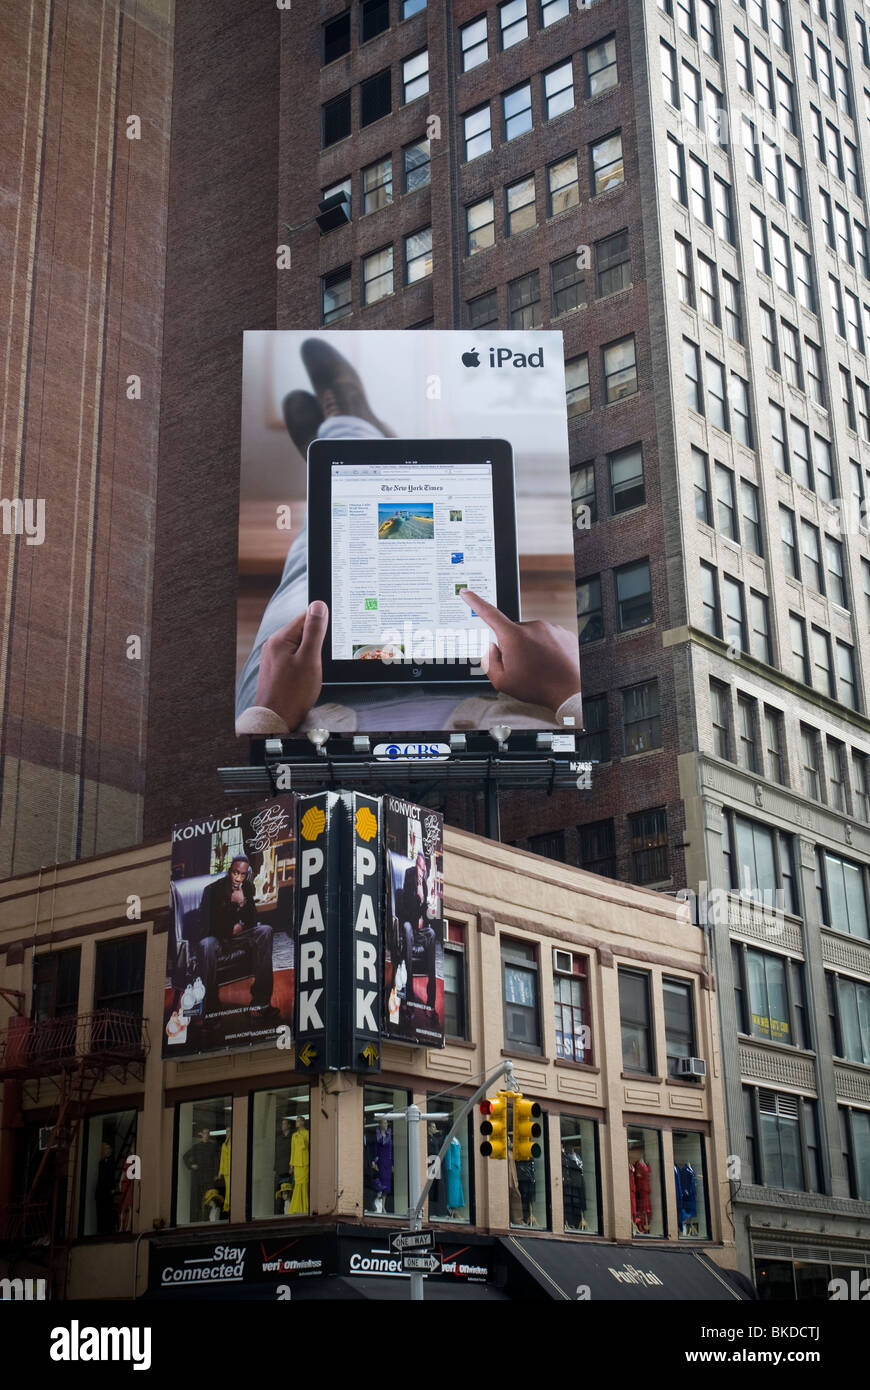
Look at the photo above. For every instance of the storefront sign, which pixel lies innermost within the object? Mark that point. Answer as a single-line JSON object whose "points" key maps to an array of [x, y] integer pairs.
{"points": [[234, 1262]]}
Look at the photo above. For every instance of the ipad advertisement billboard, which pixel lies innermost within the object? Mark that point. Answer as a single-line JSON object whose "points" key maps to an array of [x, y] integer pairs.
{"points": [[405, 537], [230, 962]]}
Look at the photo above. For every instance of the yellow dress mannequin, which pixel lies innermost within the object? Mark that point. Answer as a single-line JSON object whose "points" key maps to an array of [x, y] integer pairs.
{"points": [[299, 1155]]}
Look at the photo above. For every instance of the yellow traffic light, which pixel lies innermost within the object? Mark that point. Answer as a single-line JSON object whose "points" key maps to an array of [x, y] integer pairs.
{"points": [[526, 1129], [494, 1127]]}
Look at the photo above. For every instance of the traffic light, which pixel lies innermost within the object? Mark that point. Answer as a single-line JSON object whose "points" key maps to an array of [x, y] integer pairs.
{"points": [[494, 1127], [526, 1129]]}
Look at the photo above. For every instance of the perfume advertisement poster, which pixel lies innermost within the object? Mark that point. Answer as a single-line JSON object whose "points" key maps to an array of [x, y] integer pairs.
{"points": [[414, 935]]}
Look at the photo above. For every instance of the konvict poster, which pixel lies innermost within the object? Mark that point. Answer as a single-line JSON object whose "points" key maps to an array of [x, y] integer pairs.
{"points": [[404, 513], [229, 974], [414, 926]]}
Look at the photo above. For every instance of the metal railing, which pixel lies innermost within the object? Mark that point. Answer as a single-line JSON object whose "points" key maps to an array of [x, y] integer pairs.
{"points": [[30, 1046]]}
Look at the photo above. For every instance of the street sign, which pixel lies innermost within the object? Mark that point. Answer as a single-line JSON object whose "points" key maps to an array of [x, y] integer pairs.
{"points": [[412, 1240], [426, 1264]]}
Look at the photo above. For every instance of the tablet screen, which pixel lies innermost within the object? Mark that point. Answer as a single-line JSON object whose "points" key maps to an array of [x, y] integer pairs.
{"points": [[405, 541]]}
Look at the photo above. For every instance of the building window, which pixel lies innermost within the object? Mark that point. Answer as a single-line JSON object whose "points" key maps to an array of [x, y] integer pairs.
{"points": [[836, 571], [558, 90], [336, 120], [109, 1197], [627, 489], [823, 675], [203, 1171], [577, 385], [810, 762], [861, 785], [279, 1133], [677, 171], [708, 291], [692, 373], [751, 517], [690, 1177], [472, 38], [800, 652], [418, 256], [620, 369], [692, 100], [415, 77], [635, 1014], [554, 10], [787, 1142], [478, 132], [579, 1174], [601, 70], [641, 721], [747, 746], [707, 29], [590, 622], [374, 18], [843, 896], [568, 285], [593, 744], [699, 190], [417, 165], [722, 204], [517, 110], [634, 606], [119, 982], [563, 185], [791, 356], [741, 416], [571, 997], [597, 848], [608, 170], [56, 985], [726, 511], [848, 690], [612, 264], [513, 22], [480, 225], [645, 1180], [524, 301], [812, 559], [719, 705], [683, 263], [759, 863], [527, 1182], [455, 981], [779, 452], [377, 181], [385, 1151], [711, 617], [701, 484], [336, 38], [550, 845], [759, 638], [376, 98], [766, 987], [856, 1150], [450, 1196], [836, 752], [774, 741], [378, 275], [679, 1022], [521, 207], [522, 1023], [336, 294], [849, 1005], [649, 846], [735, 614], [412, 7], [483, 311]]}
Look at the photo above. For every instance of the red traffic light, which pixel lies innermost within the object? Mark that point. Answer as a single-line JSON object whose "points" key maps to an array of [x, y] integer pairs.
{"points": [[486, 1107]]}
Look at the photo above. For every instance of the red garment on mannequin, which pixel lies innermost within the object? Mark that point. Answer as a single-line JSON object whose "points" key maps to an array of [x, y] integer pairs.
{"points": [[643, 1196], [633, 1192]]}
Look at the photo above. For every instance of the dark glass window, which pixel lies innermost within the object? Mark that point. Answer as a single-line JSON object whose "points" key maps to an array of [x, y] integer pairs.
{"points": [[374, 18], [336, 37], [641, 721], [679, 1021], [375, 97], [649, 846], [336, 119], [633, 596], [636, 1018], [597, 848], [455, 981], [593, 744], [120, 975], [522, 1019]]}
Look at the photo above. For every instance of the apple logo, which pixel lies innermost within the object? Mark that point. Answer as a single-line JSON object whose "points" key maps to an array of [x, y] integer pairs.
{"points": [[471, 359]]}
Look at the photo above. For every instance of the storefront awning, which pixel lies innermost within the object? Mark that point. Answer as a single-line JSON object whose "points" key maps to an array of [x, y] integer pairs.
{"points": [[570, 1269]]}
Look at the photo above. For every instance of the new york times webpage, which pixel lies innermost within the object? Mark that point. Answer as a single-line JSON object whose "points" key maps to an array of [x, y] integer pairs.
{"points": [[405, 542]]}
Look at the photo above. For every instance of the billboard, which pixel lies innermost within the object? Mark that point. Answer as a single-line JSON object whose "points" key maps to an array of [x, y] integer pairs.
{"points": [[230, 966], [406, 555], [414, 924]]}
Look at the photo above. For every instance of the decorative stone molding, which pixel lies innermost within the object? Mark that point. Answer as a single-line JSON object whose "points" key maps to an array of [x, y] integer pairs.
{"points": [[763, 1064]]}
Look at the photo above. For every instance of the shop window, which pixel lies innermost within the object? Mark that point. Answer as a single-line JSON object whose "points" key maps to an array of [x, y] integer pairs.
{"points": [[455, 981], [690, 1184], [385, 1151], [572, 1017], [279, 1163], [450, 1197], [522, 1018], [638, 1053], [645, 1182], [203, 1167], [527, 1182], [108, 1193], [580, 1205]]}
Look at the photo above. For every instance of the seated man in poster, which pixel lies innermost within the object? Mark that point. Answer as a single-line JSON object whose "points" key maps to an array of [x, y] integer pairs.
{"points": [[228, 912], [415, 931]]}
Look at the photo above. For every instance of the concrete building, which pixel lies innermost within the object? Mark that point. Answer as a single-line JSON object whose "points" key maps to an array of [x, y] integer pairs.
{"points": [[592, 987]]}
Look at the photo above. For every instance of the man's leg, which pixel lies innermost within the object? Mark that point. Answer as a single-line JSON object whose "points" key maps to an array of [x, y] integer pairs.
{"points": [[408, 938], [208, 952], [261, 941], [428, 937]]}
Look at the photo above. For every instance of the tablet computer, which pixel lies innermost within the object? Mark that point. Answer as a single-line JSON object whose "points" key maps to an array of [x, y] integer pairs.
{"points": [[396, 529]]}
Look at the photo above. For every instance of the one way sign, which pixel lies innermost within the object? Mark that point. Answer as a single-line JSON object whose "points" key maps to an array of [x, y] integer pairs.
{"points": [[426, 1264], [412, 1240]]}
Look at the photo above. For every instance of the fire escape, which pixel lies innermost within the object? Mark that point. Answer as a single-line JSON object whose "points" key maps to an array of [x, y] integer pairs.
{"points": [[61, 1062]]}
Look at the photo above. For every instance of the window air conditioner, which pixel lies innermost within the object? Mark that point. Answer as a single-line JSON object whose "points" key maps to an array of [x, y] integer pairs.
{"points": [[333, 212], [691, 1066]]}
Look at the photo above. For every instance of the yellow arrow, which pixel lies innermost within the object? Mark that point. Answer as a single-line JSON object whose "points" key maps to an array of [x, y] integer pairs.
{"points": [[371, 1054], [307, 1055]]}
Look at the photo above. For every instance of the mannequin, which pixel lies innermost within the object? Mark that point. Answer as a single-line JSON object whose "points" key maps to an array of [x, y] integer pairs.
{"points": [[382, 1163], [437, 1204], [299, 1160], [573, 1184], [687, 1199], [283, 1181], [453, 1170], [640, 1190], [217, 1199]]}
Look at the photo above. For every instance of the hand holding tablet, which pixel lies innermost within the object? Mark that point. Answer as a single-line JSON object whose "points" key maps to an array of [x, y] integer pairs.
{"points": [[537, 662], [291, 671]]}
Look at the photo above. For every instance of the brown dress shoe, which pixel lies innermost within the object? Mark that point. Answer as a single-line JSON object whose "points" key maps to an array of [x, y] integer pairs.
{"points": [[303, 418], [337, 385]]}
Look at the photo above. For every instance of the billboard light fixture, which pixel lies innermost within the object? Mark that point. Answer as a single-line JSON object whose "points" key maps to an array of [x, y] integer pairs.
{"points": [[319, 737], [362, 743], [501, 733]]}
